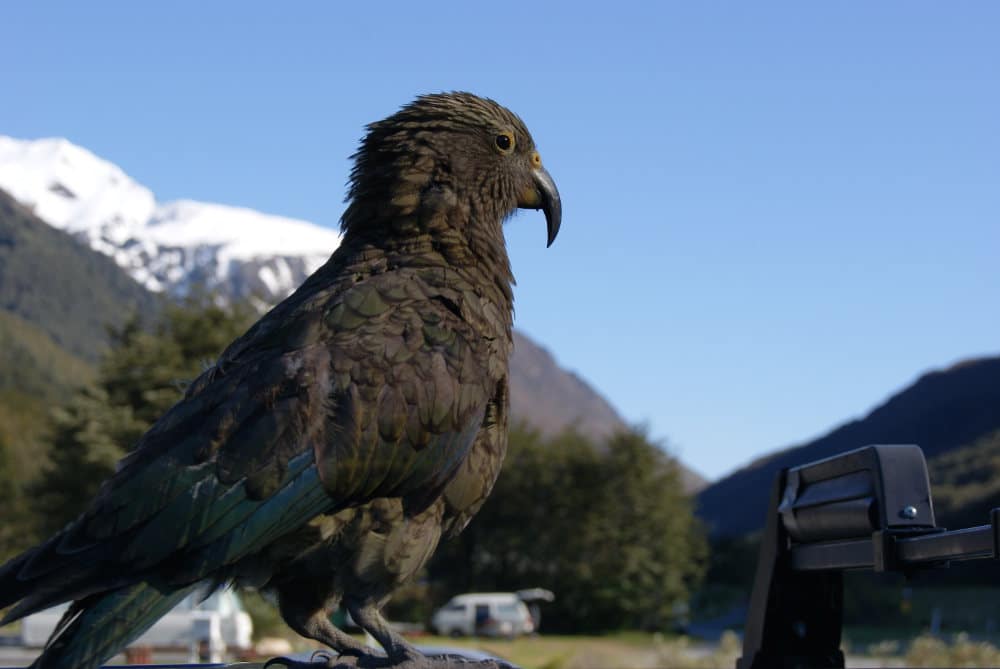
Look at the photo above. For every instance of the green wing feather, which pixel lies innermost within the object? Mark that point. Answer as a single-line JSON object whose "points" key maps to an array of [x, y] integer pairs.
{"points": [[323, 404]]}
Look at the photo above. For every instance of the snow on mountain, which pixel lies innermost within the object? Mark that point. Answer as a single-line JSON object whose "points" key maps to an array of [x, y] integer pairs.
{"points": [[164, 246]]}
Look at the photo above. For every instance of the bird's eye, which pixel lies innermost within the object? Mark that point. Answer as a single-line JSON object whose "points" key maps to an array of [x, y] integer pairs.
{"points": [[504, 142]]}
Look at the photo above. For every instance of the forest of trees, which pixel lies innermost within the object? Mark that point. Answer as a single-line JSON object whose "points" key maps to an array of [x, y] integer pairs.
{"points": [[606, 526]]}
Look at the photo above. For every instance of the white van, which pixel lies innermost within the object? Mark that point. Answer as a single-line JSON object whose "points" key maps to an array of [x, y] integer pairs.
{"points": [[208, 630], [484, 614]]}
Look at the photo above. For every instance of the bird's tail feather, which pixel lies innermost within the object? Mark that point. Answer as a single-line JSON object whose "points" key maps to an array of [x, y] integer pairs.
{"points": [[100, 626]]}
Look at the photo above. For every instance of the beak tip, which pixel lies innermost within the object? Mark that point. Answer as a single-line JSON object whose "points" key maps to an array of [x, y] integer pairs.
{"points": [[553, 231], [553, 218], [552, 207]]}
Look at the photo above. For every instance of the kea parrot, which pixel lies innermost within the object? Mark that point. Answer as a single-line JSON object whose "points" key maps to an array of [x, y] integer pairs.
{"points": [[359, 421]]}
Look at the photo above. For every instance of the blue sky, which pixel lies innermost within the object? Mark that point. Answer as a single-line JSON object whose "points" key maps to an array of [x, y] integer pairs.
{"points": [[775, 214]]}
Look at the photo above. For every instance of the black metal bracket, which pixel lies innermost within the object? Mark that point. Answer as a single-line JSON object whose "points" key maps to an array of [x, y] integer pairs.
{"points": [[867, 509]]}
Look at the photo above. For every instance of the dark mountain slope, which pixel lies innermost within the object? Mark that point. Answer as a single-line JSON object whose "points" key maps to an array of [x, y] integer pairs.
{"points": [[942, 411], [33, 364], [49, 279], [552, 399]]}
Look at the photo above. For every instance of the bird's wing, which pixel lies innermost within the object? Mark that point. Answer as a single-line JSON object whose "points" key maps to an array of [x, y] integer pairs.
{"points": [[325, 403], [468, 489]]}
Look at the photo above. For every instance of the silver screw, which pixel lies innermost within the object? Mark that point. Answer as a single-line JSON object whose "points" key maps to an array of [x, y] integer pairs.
{"points": [[909, 512]]}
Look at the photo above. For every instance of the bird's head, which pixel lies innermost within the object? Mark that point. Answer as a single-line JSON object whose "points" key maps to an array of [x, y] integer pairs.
{"points": [[448, 159]]}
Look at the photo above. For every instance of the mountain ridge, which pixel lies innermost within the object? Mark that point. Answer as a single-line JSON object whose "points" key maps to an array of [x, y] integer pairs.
{"points": [[165, 246], [942, 411]]}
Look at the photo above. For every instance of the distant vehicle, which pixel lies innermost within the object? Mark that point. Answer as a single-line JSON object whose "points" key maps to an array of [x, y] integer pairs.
{"points": [[208, 629], [500, 614]]}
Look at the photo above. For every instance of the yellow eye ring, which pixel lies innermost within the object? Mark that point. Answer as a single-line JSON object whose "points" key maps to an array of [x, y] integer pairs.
{"points": [[504, 142]]}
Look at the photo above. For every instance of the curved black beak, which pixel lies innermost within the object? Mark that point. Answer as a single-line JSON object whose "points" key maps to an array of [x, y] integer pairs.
{"points": [[544, 196]]}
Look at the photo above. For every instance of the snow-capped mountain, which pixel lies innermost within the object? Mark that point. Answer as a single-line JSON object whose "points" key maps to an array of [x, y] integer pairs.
{"points": [[164, 246]]}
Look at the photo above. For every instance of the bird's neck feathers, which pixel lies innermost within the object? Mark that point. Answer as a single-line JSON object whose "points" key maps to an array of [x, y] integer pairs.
{"points": [[428, 222]]}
